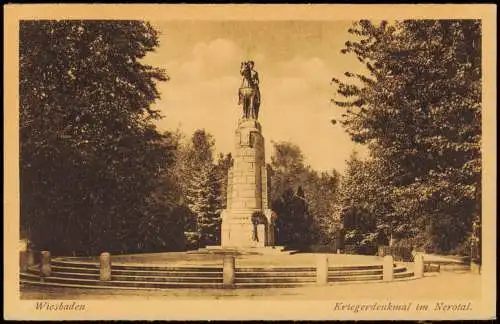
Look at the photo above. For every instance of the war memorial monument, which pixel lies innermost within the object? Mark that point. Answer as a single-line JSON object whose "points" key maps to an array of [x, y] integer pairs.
{"points": [[247, 256], [248, 221]]}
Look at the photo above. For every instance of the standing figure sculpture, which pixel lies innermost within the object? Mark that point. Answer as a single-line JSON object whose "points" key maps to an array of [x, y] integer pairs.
{"points": [[249, 93]]}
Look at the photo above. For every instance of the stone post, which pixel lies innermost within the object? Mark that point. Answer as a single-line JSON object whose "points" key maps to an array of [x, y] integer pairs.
{"points": [[23, 261], [45, 267], [419, 266], [322, 269], [388, 271], [105, 267], [30, 257], [27, 259], [475, 268], [228, 271]]}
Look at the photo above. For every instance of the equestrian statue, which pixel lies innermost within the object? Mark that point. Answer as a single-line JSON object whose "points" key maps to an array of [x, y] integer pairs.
{"points": [[249, 93]]}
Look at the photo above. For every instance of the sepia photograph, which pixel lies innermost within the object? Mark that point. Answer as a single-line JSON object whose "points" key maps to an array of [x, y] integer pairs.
{"points": [[250, 162]]}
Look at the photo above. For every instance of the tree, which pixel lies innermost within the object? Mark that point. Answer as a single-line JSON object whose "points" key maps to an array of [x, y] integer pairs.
{"points": [[162, 227], [219, 182], [204, 184], [288, 172], [418, 108], [304, 201], [366, 206], [90, 153], [197, 168], [322, 196]]}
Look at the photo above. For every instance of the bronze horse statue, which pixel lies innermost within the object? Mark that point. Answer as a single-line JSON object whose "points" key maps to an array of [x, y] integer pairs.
{"points": [[249, 93]]}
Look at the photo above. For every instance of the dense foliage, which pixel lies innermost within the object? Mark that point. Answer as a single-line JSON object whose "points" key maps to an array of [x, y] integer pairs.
{"points": [[364, 206], [204, 184], [91, 158], [304, 200], [418, 108]]}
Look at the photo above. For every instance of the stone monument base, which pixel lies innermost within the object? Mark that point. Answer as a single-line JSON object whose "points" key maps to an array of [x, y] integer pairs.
{"points": [[240, 230]]}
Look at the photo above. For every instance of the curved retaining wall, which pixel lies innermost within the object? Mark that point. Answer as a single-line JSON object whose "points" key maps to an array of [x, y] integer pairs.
{"points": [[67, 273]]}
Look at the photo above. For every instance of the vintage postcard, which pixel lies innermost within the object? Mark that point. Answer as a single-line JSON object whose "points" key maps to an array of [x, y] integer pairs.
{"points": [[249, 162]]}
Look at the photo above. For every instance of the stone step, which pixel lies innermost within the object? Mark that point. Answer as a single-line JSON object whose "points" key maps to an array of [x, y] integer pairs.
{"points": [[355, 278], [154, 270], [167, 279], [202, 271], [311, 272], [168, 273], [356, 267], [216, 248], [272, 285], [28, 282], [363, 272], [275, 269], [70, 269], [240, 272], [396, 278], [118, 277], [135, 272], [34, 283], [129, 283], [27, 276], [185, 276], [164, 268], [399, 269], [74, 263], [403, 275], [117, 266], [112, 285], [312, 280], [354, 273], [275, 274], [60, 274], [139, 283], [330, 269], [368, 277], [275, 280]]}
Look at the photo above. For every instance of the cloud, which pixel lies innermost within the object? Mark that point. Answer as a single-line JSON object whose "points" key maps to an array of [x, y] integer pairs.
{"points": [[209, 60], [296, 107], [218, 50], [202, 92], [312, 68]]}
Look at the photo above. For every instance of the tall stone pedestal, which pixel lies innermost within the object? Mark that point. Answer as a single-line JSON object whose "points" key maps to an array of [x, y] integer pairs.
{"points": [[248, 221]]}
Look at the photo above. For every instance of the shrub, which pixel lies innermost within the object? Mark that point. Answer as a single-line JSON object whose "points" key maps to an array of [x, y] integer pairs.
{"points": [[192, 240], [350, 249], [367, 248], [384, 250], [402, 251], [463, 249]]}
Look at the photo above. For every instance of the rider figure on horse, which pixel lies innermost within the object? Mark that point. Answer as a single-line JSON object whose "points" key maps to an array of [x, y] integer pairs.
{"points": [[249, 93]]}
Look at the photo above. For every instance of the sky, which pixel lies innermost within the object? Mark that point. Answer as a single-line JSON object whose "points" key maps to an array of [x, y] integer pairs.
{"points": [[295, 61]]}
